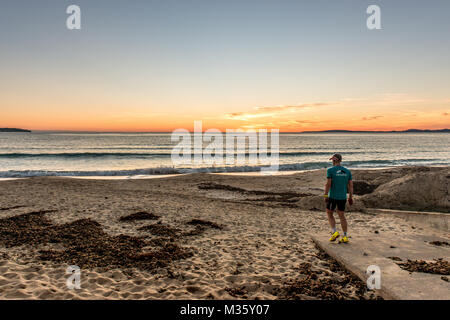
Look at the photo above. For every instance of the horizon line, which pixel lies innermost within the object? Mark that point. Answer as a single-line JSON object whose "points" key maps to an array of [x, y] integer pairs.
{"points": [[412, 130]]}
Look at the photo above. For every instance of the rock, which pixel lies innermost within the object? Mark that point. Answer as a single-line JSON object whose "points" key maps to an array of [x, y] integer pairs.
{"points": [[361, 187], [421, 190]]}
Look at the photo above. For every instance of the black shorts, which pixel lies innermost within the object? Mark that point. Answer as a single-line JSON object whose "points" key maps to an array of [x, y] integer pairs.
{"points": [[333, 203]]}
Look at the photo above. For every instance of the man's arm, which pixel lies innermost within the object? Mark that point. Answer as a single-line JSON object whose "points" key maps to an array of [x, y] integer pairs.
{"points": [[350, 189], [327, 189]]}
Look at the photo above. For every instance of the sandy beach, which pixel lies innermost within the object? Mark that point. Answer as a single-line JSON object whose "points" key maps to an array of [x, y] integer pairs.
{"points": [[198, 236]]}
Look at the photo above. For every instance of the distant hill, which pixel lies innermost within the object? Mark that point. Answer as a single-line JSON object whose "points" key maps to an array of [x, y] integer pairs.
{"points": [[403, 131], [13, 130], [419, 130]]}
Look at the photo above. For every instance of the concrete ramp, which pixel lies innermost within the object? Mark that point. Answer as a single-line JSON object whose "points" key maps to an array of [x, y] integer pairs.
{"points": [[396, 283]]}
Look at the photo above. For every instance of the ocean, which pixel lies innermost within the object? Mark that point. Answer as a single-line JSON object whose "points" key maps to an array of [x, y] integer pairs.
{"points": [[138, 154]]}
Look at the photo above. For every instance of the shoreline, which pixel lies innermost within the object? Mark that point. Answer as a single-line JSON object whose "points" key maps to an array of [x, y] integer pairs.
{"points": [[238, 173]]}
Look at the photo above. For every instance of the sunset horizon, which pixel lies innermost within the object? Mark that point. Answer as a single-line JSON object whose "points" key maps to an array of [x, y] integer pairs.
{"points": [[152, 66], [331, 130]]}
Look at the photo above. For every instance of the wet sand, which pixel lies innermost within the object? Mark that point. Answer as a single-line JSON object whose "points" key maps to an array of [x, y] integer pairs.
{"points": [[199, 236]]}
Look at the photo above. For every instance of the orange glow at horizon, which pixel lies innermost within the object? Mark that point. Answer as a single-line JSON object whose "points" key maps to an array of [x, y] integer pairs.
{"points": [[390, 112], [159, 126]]}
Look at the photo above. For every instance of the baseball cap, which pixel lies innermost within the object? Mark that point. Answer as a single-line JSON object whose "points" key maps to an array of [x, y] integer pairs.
{"points": [[337, 156]]}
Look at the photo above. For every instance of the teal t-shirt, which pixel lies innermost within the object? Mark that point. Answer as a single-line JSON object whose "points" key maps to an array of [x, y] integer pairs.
{"points": [[340, 177]]}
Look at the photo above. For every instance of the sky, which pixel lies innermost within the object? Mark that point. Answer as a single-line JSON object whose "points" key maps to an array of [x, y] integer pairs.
{"points": [[159, 65]]}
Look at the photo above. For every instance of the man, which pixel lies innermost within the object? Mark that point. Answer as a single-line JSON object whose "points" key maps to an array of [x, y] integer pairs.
{"points": [[339, 180]]}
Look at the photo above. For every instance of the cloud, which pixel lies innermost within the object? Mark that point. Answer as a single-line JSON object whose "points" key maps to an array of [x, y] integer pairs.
{"points": [[295, 107], [245, 116], [371, 118], [369, 112], [271, 111]]}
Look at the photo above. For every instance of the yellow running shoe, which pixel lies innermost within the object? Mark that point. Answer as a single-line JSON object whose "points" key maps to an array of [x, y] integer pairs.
{"points": [[334, 236], [344, 239]]}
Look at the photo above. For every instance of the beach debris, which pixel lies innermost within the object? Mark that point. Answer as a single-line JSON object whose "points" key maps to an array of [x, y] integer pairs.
{"points": [[198, 230], [32, 227], [440, 243], [142, 215], [440, 266], [217, 186], [444, 278], [160, 241], [160, 230], [331, 287], [200, 227], [205, 223], [11, 208], [284, 199], [395, 258], [86, 244], [336, 284]]}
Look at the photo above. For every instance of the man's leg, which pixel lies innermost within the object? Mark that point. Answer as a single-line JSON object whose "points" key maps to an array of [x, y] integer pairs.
{"points": [[334, 233], [331, 205], [331, 219], [343, 221]]}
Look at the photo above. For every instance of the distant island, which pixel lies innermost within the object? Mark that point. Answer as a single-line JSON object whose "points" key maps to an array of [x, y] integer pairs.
{"points": [[13, 130], [402, 131]]}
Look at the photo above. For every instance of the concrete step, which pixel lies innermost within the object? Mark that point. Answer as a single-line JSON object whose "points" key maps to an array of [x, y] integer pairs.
{"points": [[396, 283]]}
